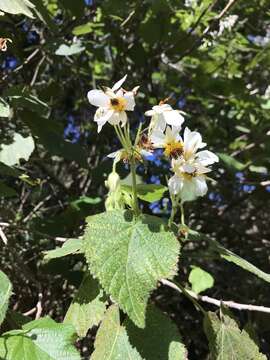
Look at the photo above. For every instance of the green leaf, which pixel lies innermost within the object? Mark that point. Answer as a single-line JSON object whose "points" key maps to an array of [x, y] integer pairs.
{"points": [[42, 339], [231, 162], [129, 256], [65, 50], [237, 260], [258, 169], [4, 108], [112, 342], [20, 148], [82, 29], [227, 341], [5, 293], [6, 191], [147, 192], [88, 307], [51, 138], [30, 102], [200, 279], [17, 7], [159, 340], [71, 246]]}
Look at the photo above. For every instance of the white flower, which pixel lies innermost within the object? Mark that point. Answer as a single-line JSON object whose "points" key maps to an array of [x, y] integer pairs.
{"points": [[163, 115], [112, 104], [189, 179], [171, 141], [227, 23]]}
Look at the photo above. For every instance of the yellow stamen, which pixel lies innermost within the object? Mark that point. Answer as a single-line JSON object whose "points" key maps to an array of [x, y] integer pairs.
{"points": [[174, 149], [118, 103]]}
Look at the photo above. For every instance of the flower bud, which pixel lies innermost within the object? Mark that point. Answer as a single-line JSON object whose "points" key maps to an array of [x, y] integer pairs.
{"points": [[113, 181]]}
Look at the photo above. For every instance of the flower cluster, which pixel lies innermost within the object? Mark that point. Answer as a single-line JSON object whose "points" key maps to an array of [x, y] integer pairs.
{"points": [[189, 164]]}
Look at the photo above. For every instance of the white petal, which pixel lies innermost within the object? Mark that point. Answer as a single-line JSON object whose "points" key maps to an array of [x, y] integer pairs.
{"points": [[102, 116], [201, 186], [119, 83], [189, 191], [206, 157], [149, 113], [98, 98], [192, 142], [129, 96], [157, 138], [175, 184], [159, 122], [174, 118], [115, 118], [113, 154], [123, 118]]}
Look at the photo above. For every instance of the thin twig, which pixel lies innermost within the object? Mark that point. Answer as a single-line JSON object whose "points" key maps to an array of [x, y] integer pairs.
{"points": [[3, 236], [216, 302], [37, 70]]}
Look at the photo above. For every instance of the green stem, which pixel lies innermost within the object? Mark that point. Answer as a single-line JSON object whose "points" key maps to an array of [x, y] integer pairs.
{"points": [[182, 214], [173, 212], [134, 185]]}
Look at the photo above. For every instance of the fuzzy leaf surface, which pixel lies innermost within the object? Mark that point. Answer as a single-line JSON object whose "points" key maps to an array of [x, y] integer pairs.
{"points": [[42, 339], [88, 307], [129, 257], [112, 341], [227, 341], [5, 293], [159, 340]]}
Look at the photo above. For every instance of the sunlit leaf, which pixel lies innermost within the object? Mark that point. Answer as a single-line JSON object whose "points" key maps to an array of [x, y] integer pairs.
{"points": [[71, 246], [5, 293], [200, 279], [129, 256], [20, 148]]}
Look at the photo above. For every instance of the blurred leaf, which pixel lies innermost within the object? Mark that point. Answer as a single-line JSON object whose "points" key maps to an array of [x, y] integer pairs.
{"points": [[20, 148], [87, 308], [258, 169], [132, 248], [17, 7], [6, 191], [82, 29], [65, 50], [112, 340], [147, 192], [30, 102], [47, 133], [237, 260], [70, 246], [231, 162], [159, 340], [200, 280], [4, 108], [227, 341], [5, 293], [42, 339]]}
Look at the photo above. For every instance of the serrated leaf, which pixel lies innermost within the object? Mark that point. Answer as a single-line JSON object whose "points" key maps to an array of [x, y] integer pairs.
{"points": [[17, 7], [71, 246], [227, 341], [147, 192], [129, 256], [112, 341], [65, 50], [159, 340], [200, 280], [237, 260], [4, 108], [20, 148], [42, 339], [88, 307], [5, 293]]}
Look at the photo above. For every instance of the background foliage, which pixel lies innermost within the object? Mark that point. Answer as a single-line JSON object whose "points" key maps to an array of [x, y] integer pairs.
{"points": [[53, 165]]}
